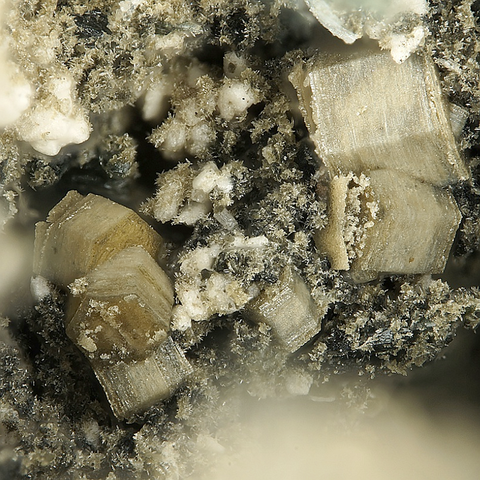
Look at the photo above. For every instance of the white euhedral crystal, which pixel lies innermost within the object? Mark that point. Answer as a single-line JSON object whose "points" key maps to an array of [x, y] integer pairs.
{"points": [[56, 118], [235, 98], [208, 178], [204, 292], [226, 219], [202, 296], [402, 45], [350, 20], [155, 99], [183, 193]]}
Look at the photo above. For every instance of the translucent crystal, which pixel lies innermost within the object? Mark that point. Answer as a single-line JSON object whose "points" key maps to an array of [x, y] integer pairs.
{"points": [[288, 308], [388, 222], [366, 112], [124, 309], [82, 232], [396, 24], [120, 307], [132, 387]]}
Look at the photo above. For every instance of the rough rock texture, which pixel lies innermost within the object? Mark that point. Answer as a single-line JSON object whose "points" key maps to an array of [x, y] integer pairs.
{"points": [[191, 120]]}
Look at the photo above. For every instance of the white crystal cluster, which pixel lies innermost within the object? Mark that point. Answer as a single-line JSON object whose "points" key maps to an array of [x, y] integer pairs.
{"points": [[56, 119], [200, 104], [39, 97], [203, 292], [41, 109]]}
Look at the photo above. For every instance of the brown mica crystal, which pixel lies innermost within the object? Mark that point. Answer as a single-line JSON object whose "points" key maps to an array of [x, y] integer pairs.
{"points": [[120, 307], [388, 222], [288, 308], [82, 232], [366, 112]]}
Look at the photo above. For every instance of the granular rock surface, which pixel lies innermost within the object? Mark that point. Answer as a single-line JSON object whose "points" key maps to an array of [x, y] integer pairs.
{"points": [[184, 113]]}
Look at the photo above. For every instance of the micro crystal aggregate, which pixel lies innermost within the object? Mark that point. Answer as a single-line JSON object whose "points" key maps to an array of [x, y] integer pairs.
{"points": [[226, 198]]}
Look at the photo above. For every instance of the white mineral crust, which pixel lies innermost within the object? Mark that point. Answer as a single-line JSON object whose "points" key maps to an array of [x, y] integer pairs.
{"points": [[56, 120], [15, 92], [350, 20]]}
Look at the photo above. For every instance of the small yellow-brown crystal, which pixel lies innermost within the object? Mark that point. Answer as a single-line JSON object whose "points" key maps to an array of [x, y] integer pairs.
{"points": [[288, 308], [82, 232], [120, 307], [125, 308]]}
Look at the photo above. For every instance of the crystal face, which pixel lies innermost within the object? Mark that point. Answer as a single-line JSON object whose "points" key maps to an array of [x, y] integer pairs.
{"points": [[288, 309], [120, 307], [388, 222], [389, 124], [368, 112], [67, 247]]}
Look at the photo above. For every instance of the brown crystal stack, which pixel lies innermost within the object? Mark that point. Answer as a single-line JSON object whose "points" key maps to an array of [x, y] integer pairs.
{"points": [[384, 132], [120, 309]]}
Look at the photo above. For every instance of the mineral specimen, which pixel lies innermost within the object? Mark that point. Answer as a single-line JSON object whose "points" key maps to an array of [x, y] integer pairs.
{"points": [[365, 112], [389, 125], [387, 222], [120, 322], [195, 94], [288, 308], [82, 232]]}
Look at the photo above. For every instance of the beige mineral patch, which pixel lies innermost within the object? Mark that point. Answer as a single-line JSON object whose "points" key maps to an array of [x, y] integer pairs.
{"points": [[288, 308], [366, 112]]}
